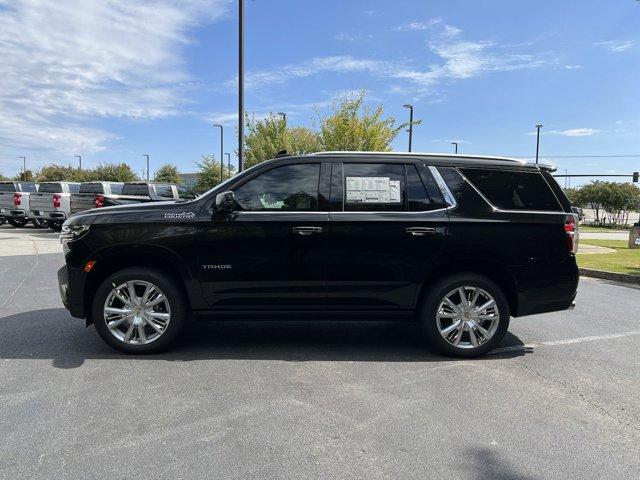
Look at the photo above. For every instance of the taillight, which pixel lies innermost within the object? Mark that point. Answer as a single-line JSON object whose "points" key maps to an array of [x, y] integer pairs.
{"points": [[56, 200], [572, 234], [99, 201], [17, 199]]}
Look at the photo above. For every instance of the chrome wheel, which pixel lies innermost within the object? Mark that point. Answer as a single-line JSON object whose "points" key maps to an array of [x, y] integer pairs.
{"points": [[137, 312], [467, 317]]}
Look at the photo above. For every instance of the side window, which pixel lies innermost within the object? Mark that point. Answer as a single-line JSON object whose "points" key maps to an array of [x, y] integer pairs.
{"points": [[74, 187], [185, 193], [164, 191], [514, 190], [116, 188], [374, 187], [417, 195], [286, 188]]}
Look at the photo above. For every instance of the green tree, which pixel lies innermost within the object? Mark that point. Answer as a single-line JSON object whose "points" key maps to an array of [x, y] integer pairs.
{"points": [[301, 140], [610, 201], [209, 172], [352, 126], [58, 173], [572, 194], [168, 174], [264, 139], [25, 176], [2, 177], [110, 172]]}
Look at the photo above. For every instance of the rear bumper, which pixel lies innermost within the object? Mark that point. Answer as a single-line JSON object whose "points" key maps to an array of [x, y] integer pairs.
{"points": [[49, 215], [547, 289], [70, 288], [17, 214]]}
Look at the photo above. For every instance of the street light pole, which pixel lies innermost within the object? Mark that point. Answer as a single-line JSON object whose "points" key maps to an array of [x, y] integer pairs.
{"points": [[24, 163], [147, 157], [221, 150], [79, 157], [240, 84], [538, 127], [456, 145], [228, 163], [410, 107]]}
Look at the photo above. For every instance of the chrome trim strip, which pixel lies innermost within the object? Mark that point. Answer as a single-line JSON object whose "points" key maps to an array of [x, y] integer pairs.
{"points": [[446, 193]]}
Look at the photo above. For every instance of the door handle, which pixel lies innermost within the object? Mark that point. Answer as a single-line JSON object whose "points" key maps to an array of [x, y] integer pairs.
{"points": [[420, 231], [306, 231]]}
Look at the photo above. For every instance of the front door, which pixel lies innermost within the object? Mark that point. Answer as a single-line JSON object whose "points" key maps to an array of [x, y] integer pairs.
{"points": [[386, 228], [270, 253]]}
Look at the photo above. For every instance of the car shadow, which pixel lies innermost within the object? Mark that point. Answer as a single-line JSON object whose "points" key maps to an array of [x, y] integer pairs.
{"points": [[53, 334]]}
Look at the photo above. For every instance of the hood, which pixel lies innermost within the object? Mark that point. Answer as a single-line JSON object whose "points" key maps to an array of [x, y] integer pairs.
{"points": [[171, 210]]}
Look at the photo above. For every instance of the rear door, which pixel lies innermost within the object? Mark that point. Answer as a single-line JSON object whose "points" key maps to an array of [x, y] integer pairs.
{"points": [[388, 222]]}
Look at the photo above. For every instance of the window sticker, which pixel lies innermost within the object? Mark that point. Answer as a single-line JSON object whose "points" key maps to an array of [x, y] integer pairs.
{"points": [[373, 190]]}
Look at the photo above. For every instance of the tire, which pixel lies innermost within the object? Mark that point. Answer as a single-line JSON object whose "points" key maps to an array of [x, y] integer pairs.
{"points": [[175, 305], [436, 314], [38, 223], [2, 220], [18, 222], [55, 226]]}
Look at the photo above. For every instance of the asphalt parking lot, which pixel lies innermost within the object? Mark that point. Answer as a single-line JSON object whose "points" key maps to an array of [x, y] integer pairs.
{"points": [[262, 400]]}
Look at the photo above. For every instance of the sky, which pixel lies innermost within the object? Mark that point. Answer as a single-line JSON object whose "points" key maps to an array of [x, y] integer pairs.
{"points": [[112, 80]]}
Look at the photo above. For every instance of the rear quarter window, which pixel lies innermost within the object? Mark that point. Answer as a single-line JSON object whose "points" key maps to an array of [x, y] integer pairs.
{"points": [[164, 191], [514, 190]]}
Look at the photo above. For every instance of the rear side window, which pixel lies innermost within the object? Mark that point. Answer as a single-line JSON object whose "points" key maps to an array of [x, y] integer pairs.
{"points": [[91, 188], [7, 187], [164, 191], [514, 190], [185, 193], [374, 187], [50, 188], [116, 188], [27, 187], [135, 189]]}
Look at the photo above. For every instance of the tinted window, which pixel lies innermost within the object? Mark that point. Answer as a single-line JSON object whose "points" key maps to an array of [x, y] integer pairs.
{"points": [[28, 187], [288, 188], [164, 191], [374, 187], [7, 187], [417, 195], [74, 187], [185, 193], [511, 190], [135, 189], [91, 188], [116, 188], [50, 188]]}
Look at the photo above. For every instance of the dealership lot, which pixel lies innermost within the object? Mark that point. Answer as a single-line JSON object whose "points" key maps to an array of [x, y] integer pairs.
{"points": [[560, 399]]}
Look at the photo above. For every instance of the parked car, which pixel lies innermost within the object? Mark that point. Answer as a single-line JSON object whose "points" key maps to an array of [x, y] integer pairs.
{"points": [[52, 202], [457, 243], [142, 192], [91, 195], [14, 202]]}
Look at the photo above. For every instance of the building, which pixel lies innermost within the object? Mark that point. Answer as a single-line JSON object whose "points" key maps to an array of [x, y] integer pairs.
{"points": [[189, 179]]}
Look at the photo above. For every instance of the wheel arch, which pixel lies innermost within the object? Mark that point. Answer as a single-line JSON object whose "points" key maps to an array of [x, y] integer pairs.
{"points": [[110, 261], [487, 264]]}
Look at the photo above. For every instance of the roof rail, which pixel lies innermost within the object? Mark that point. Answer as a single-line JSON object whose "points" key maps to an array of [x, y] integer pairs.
{"points": [[460, 156]]}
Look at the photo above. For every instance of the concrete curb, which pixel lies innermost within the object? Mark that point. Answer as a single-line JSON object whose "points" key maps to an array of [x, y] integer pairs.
{"points": [[618, 277]]}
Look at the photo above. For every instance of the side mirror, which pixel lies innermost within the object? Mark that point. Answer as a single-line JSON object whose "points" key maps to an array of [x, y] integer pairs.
{"points": [[226, 201]]}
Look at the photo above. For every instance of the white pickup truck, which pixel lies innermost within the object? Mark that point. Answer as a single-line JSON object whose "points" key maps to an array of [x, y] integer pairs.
{"points": [[14, 202], [52, 202]]}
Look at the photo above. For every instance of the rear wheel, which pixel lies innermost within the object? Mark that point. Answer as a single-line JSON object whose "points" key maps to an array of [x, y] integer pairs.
{"points": [[39, 223], [55, 226], [2, 220], [138, 310], [465, 315], [18, 222]]}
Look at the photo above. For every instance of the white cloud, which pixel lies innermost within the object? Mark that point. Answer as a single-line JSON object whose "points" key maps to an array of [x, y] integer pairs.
{"points": [[573, 67], [352, 37], [572, 132], [67, 62], [420, 25], [616, 45]]}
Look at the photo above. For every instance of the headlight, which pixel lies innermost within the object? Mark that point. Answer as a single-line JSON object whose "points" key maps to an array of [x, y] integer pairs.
{"points": [[70, 233]]}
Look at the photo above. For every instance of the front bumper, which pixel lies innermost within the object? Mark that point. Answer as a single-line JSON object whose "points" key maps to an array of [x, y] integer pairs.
{"points": [[70, 287]]}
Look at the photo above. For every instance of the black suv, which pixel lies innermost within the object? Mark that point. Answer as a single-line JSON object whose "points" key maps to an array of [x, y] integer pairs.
{"points": [[457, 243]]}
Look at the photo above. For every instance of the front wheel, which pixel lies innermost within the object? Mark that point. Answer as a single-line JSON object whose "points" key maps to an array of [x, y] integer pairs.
{"points": [[138, 310], [18, 222], [465, 315], [55, 226]]}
